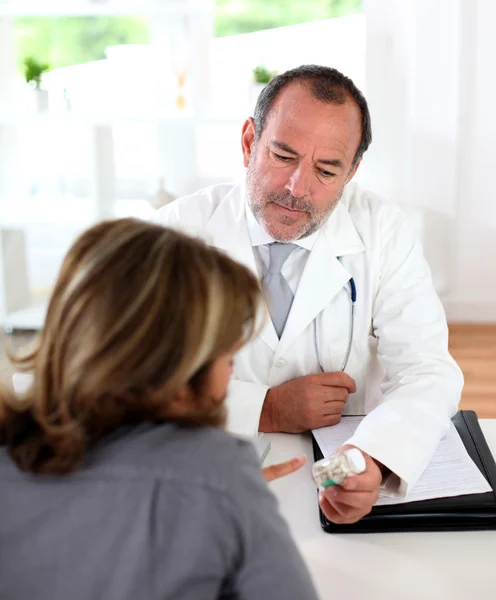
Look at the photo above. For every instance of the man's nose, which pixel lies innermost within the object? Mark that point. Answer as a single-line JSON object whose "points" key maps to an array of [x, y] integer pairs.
{"points": [[299, 182]]}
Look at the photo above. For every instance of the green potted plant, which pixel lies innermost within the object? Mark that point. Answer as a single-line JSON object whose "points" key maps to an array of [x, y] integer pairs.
{"points": [[33, 72], [261, 77]]}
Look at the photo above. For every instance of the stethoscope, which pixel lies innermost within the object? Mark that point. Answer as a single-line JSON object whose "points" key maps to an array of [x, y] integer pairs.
{"points": [[353, 297]]}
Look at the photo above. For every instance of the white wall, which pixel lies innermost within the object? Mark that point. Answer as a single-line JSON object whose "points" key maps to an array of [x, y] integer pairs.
{"points": [[474, 277], [339, 43], [8, 144], [431, 88], [8, 138]]}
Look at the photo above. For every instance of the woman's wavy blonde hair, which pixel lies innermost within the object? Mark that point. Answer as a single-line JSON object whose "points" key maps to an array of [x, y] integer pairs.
{"points": [[138, 312]]}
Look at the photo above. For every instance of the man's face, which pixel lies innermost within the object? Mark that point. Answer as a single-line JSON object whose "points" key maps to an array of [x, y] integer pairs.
{"points": [[299, 166]]}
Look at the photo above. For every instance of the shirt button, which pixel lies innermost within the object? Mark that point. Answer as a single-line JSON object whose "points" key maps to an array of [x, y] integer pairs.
{"points": [[281, 363]]}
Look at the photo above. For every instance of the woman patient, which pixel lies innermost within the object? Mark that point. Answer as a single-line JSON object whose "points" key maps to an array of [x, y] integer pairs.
{"points": [[117, 481]]}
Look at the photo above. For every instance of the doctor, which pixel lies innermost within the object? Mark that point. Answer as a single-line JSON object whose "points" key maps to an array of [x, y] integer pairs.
{"points": [[356, 326]]}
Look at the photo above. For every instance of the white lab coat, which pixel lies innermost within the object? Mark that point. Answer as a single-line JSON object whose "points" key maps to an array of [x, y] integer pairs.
{"points": [[407, 383]]}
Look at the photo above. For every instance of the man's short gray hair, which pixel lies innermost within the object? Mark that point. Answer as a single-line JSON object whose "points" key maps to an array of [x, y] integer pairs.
{"points": [[325, 84]]}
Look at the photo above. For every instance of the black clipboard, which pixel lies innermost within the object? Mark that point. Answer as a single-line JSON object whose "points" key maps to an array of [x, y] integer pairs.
{"points": [[460, 513]]}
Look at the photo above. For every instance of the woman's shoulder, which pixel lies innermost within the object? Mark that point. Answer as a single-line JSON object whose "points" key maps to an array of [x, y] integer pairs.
{"points": [[204, 455]]}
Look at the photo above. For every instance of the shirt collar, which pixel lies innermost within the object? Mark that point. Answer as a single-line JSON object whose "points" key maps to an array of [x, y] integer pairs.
{"points": [[259, 237]]}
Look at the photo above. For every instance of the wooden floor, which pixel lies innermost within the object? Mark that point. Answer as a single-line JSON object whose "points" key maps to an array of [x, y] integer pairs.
{"points": [[474, 349]]}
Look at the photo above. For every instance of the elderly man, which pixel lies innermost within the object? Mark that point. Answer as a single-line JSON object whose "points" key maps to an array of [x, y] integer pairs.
{"points": [[356, 326]]}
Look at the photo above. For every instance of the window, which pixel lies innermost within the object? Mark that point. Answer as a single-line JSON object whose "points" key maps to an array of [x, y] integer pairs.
{"points": [[244, 16], [66, 41]]}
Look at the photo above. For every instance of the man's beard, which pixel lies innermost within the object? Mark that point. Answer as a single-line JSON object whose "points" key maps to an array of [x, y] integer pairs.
{"points": [[259, 204]]}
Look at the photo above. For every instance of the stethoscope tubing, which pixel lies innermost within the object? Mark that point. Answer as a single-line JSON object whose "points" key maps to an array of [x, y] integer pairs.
{"points": [[353, 297]]}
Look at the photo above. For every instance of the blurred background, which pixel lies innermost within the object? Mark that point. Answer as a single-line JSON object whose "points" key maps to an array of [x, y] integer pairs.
{"points": [[114, 107]]}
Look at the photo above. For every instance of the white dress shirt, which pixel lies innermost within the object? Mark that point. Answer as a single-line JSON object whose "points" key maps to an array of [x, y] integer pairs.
{"points": [[294, 265]]}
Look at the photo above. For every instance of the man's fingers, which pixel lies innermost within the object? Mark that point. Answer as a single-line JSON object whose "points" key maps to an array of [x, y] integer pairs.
{"points": [[348, 514], [338, 514], [337, 379], [327, 508], [324, 421], [366, 482], [282, 469], [333, 407], [360, 500], [334, 394], [326, 394]]}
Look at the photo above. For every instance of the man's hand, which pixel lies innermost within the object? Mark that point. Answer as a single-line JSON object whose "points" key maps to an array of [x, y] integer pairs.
{"points": [[353, 500], [306, 403], [283, 469]]}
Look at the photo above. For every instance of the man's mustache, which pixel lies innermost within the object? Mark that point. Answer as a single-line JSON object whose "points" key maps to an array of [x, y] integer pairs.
{"points": [[291, 202]]}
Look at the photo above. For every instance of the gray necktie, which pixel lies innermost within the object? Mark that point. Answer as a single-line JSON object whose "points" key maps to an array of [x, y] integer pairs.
{"points": [[279, 294]]}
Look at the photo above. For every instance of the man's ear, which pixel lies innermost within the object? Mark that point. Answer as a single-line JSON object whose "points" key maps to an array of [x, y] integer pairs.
{"points": [[247, 139], [351, 174]]}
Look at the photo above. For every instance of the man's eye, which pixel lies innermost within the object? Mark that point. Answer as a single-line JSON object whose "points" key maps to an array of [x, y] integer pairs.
{"points": [[282, 158], [326, 174]]}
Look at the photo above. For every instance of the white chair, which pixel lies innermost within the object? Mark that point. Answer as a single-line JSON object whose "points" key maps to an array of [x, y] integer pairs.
{"points": [[15, 296]]}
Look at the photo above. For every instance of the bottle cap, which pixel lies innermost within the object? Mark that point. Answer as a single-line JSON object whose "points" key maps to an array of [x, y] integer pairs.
{"points": [[356, 460]]}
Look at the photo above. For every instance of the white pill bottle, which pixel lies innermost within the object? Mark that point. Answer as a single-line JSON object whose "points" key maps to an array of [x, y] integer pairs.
{"points": [[334, 469]]}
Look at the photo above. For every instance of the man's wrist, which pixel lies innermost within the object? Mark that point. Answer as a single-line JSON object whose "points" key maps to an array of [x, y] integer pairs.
{"points": [[266, 424]]}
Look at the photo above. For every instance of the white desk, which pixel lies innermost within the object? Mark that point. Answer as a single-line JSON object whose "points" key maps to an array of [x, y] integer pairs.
{"points": [[399, 566]]}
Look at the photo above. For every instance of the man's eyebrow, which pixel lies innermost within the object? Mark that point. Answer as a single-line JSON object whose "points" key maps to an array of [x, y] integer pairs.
{"points": [[333, 162], [284, 147]]}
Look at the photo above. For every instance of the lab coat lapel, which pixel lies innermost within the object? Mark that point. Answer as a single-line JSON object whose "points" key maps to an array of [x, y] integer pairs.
{"points": [[227, 230], [324, 275]]}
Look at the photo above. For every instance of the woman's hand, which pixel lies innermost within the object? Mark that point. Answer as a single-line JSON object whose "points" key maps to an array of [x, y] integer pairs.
{"points": [[282, 469]]}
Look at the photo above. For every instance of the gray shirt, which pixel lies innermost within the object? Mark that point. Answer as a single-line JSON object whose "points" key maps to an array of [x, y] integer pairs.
{"points": [[158, 512]]}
